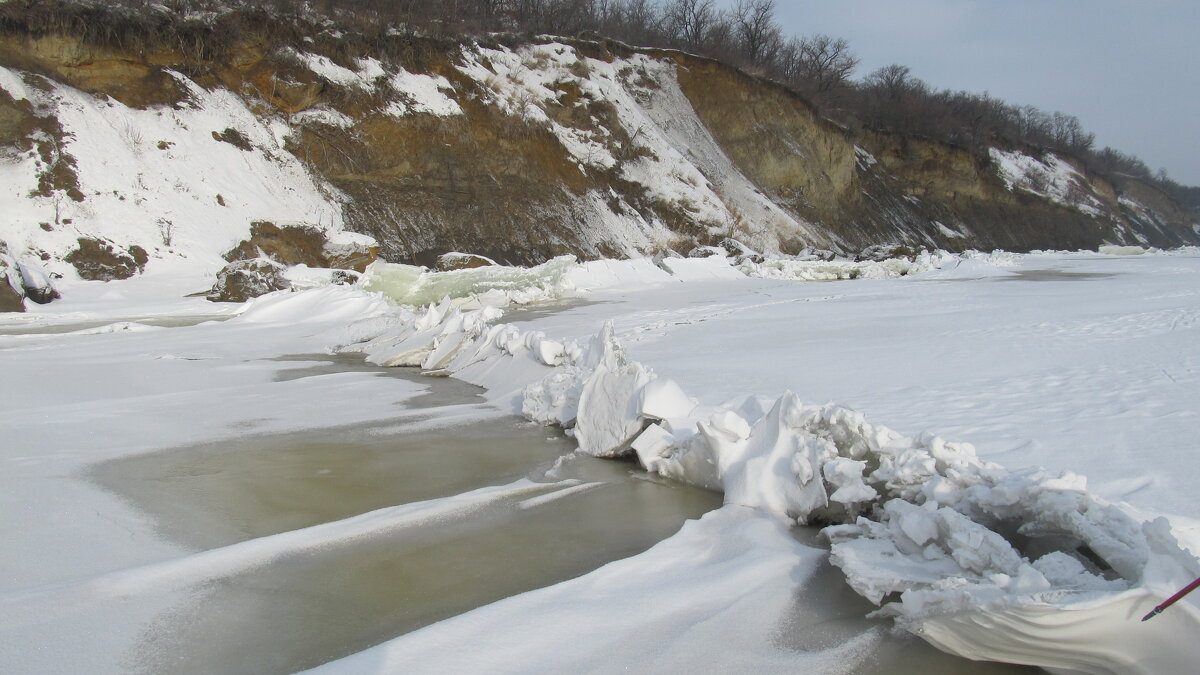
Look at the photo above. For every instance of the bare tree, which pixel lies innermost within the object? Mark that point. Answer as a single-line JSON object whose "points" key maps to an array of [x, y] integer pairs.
{"points": [[1069, 135], [692, 21], [826, 62], [758, 36], [640, 22], [892, 81]]}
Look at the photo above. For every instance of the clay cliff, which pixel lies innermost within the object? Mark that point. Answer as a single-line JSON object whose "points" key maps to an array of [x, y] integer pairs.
{"points": [[516, 148]]}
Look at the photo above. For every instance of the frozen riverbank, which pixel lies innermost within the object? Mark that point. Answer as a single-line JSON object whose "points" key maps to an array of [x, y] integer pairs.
{"points": [[973, 538], [1080, 363]]}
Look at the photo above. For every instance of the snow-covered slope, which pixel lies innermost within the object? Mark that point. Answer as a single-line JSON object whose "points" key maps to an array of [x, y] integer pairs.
{"points": [[517, 150], [182, 182]]}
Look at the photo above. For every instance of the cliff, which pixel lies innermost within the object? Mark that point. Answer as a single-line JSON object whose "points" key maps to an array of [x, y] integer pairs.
{"points": [[517, 149]]}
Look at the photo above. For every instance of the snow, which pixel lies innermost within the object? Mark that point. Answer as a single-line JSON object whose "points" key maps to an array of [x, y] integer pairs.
{"points": [[363, 78], [720, 582], [697, 269], [667, 151], [424, 94], [954, 383], [1048, 176], [127, 163], [321, 115]]}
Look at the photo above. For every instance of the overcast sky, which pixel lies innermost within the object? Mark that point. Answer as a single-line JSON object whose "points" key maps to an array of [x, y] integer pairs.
{"points": [[1128, 69]]}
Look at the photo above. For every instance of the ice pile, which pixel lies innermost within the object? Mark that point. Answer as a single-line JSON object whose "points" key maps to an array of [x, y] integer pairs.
{"points": [[944, 541], [492, 286], [800, 269]]}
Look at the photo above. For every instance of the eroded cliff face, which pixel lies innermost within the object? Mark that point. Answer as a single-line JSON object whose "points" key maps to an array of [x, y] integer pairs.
{"points": [[516, 150]]}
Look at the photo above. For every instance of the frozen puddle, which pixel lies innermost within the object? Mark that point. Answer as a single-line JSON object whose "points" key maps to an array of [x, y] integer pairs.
{"points": [[299, 599], [219, 494], [310, 608], [1054, 275]]}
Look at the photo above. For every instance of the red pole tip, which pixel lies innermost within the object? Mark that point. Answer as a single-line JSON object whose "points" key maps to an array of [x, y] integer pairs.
{"points": [[1153, 613]]}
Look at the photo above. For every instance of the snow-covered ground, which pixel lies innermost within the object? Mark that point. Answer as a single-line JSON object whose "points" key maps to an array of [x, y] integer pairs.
{"points": [[1079, 363]]}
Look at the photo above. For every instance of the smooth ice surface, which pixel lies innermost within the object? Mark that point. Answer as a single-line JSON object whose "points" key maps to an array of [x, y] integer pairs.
{"points": [[315, 594]]}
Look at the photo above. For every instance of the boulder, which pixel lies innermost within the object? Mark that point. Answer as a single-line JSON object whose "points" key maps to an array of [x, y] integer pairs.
{"points": [[37, 285], [12, 291], [739, 251], [241, 280], [706, 252], [98, 260], [11, 300], [350, 251], [345, 277], [19, 281]]}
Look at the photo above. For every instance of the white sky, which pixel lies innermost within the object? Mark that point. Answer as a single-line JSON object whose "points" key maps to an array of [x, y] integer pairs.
{"points": [[1128, 69]]}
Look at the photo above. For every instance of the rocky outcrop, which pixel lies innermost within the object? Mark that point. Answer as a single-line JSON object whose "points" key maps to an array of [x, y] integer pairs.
{"points": [[97, 260], [305, 245], [136, 78], [259, 265]]}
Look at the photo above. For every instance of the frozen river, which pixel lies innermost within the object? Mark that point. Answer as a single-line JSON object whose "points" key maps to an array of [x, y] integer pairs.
{"points": [[187, 495]]}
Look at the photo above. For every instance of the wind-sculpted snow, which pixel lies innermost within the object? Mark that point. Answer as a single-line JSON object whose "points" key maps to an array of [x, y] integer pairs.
{"points": [[945, 542]]}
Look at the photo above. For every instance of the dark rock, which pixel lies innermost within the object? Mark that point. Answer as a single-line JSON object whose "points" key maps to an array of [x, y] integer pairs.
{"points": [[740, 252], [736, 249], [12, 291], [11, 300], [705, 252], [97, 260], [19, 281], [241, 280], [882, 252], [344, 277], [37, 285], [235, 138]]}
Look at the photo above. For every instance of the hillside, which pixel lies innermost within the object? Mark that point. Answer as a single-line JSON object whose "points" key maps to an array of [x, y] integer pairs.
{"points": [[117, 159]]}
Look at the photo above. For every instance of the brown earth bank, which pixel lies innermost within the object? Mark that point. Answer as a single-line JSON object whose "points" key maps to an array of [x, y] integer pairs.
{"points": [[502, 183]]}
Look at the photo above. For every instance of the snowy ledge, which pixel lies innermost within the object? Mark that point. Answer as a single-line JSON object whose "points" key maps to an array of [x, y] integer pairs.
{"points": [[978, 560]]}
